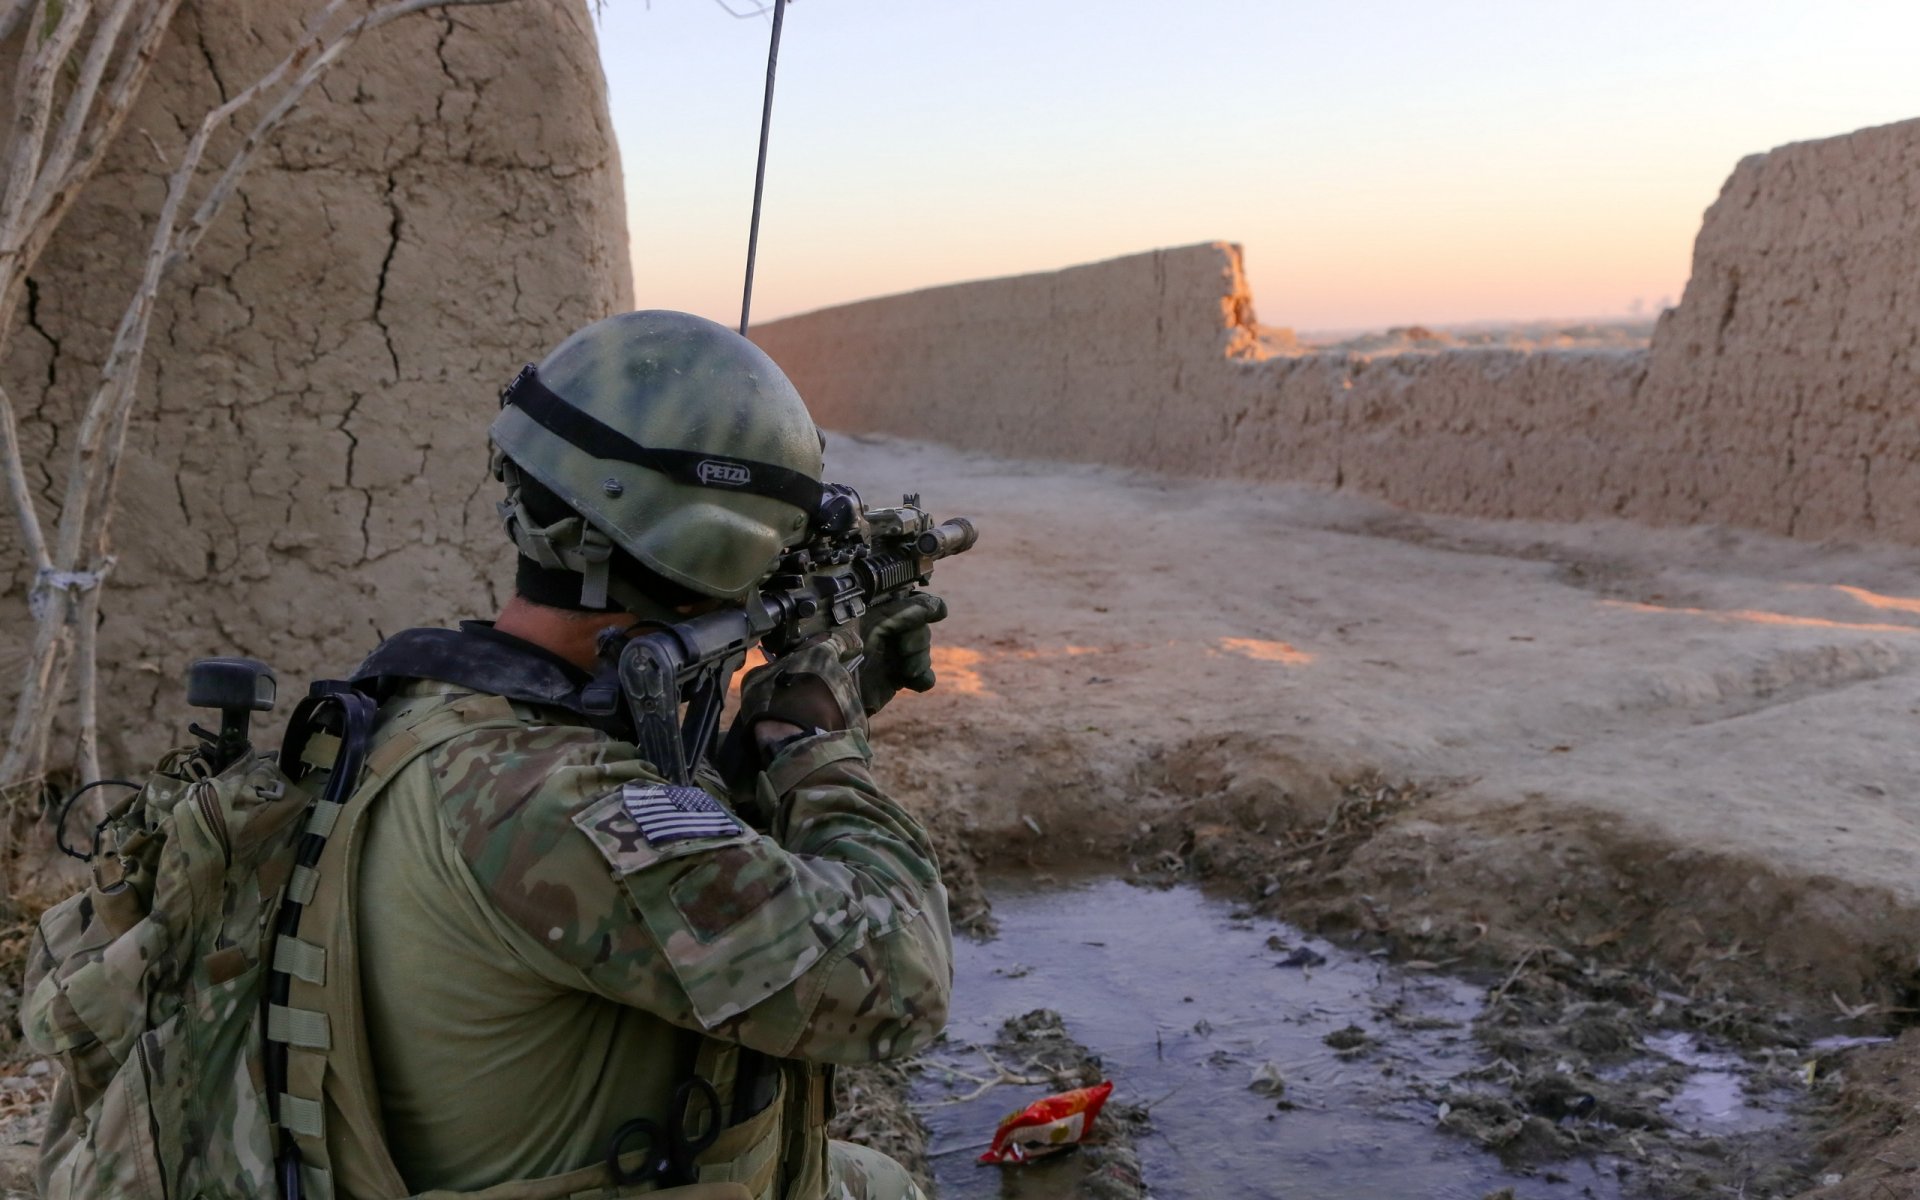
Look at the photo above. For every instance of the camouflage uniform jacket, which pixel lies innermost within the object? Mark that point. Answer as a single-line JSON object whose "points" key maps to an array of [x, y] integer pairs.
{"points": [[543, 955]]}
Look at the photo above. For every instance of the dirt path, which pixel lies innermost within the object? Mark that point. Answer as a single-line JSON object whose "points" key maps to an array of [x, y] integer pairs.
{"points": [[1739, 709], [1692, 750]]}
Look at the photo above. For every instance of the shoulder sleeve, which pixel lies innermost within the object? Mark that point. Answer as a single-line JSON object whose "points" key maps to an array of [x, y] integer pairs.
{"points": [[827, 941]]}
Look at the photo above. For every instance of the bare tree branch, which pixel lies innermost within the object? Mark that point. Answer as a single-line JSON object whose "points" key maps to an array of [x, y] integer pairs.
{"points": [[118, 373], [10, 16], [33, 111], [143, 47], [21, 492], [106, 36], [45, 675], [86, 664]]}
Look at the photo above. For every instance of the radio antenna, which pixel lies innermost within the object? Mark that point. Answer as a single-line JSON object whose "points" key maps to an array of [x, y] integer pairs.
{"points": [[760, 169]]}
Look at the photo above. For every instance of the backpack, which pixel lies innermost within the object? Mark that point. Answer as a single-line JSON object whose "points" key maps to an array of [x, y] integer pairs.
{"points": [[155, 985]]}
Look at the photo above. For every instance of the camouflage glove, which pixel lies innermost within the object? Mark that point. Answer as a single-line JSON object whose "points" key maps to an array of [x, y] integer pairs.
{"points": [[809, 687], [814, 687], [898, 648]]}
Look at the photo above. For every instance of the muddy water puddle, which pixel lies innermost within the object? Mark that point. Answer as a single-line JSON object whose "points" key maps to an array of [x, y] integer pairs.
{"points": [[1186, 1005], [1713, 1096]]}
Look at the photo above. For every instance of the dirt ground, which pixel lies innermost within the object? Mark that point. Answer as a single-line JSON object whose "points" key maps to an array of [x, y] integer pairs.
{"points": [[1672, 769]]}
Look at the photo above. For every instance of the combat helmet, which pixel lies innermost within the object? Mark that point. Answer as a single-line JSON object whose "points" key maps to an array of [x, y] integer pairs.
{"points": [[671, 439]]}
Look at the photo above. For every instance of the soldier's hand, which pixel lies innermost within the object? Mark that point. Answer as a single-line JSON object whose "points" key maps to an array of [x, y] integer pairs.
{"points": [[804, 701], [898, 647], [808, 687], [813, 687]]}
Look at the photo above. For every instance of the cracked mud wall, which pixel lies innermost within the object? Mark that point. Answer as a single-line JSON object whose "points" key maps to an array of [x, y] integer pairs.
{"points": [[1151, 361], [1121, 361], [1779, 395], [307, 464], [1790, 372]]}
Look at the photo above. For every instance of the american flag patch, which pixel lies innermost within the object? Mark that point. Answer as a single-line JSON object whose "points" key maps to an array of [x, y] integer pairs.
{"points": [[666, 813]]}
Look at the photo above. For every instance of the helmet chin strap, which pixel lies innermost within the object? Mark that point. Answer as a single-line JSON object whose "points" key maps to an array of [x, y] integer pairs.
{"points": [[571, 544]]}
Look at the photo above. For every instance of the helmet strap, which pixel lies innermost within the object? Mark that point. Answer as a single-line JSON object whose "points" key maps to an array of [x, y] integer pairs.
{"points": [[573, 546], [569, 544], [550, 587]]}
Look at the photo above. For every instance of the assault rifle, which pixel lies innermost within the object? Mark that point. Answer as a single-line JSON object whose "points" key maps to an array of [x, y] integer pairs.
{"points": [[855, 558]]}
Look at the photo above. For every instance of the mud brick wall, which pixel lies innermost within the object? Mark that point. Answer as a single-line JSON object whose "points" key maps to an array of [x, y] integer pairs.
{"points": [[1780, 394], [1789, 376], [308, 463]]}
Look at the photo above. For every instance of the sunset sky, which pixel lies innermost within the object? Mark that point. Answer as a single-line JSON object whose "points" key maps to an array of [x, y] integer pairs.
{"points": [[1383, 163]]}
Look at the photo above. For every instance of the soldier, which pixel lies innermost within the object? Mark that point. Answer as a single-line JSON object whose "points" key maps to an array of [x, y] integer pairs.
{"points": [[549, 974]]}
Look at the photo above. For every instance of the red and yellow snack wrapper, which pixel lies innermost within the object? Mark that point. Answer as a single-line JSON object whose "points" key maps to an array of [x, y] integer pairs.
{"points": [[1047, 1126]]}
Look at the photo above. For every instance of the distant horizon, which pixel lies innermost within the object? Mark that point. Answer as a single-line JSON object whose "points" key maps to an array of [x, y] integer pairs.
{"points": [[1478, 325], [1393, 165], [1474, 324]]}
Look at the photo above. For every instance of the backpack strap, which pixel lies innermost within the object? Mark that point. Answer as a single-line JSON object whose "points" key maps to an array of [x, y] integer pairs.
{"points": [[313, 1029]]}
